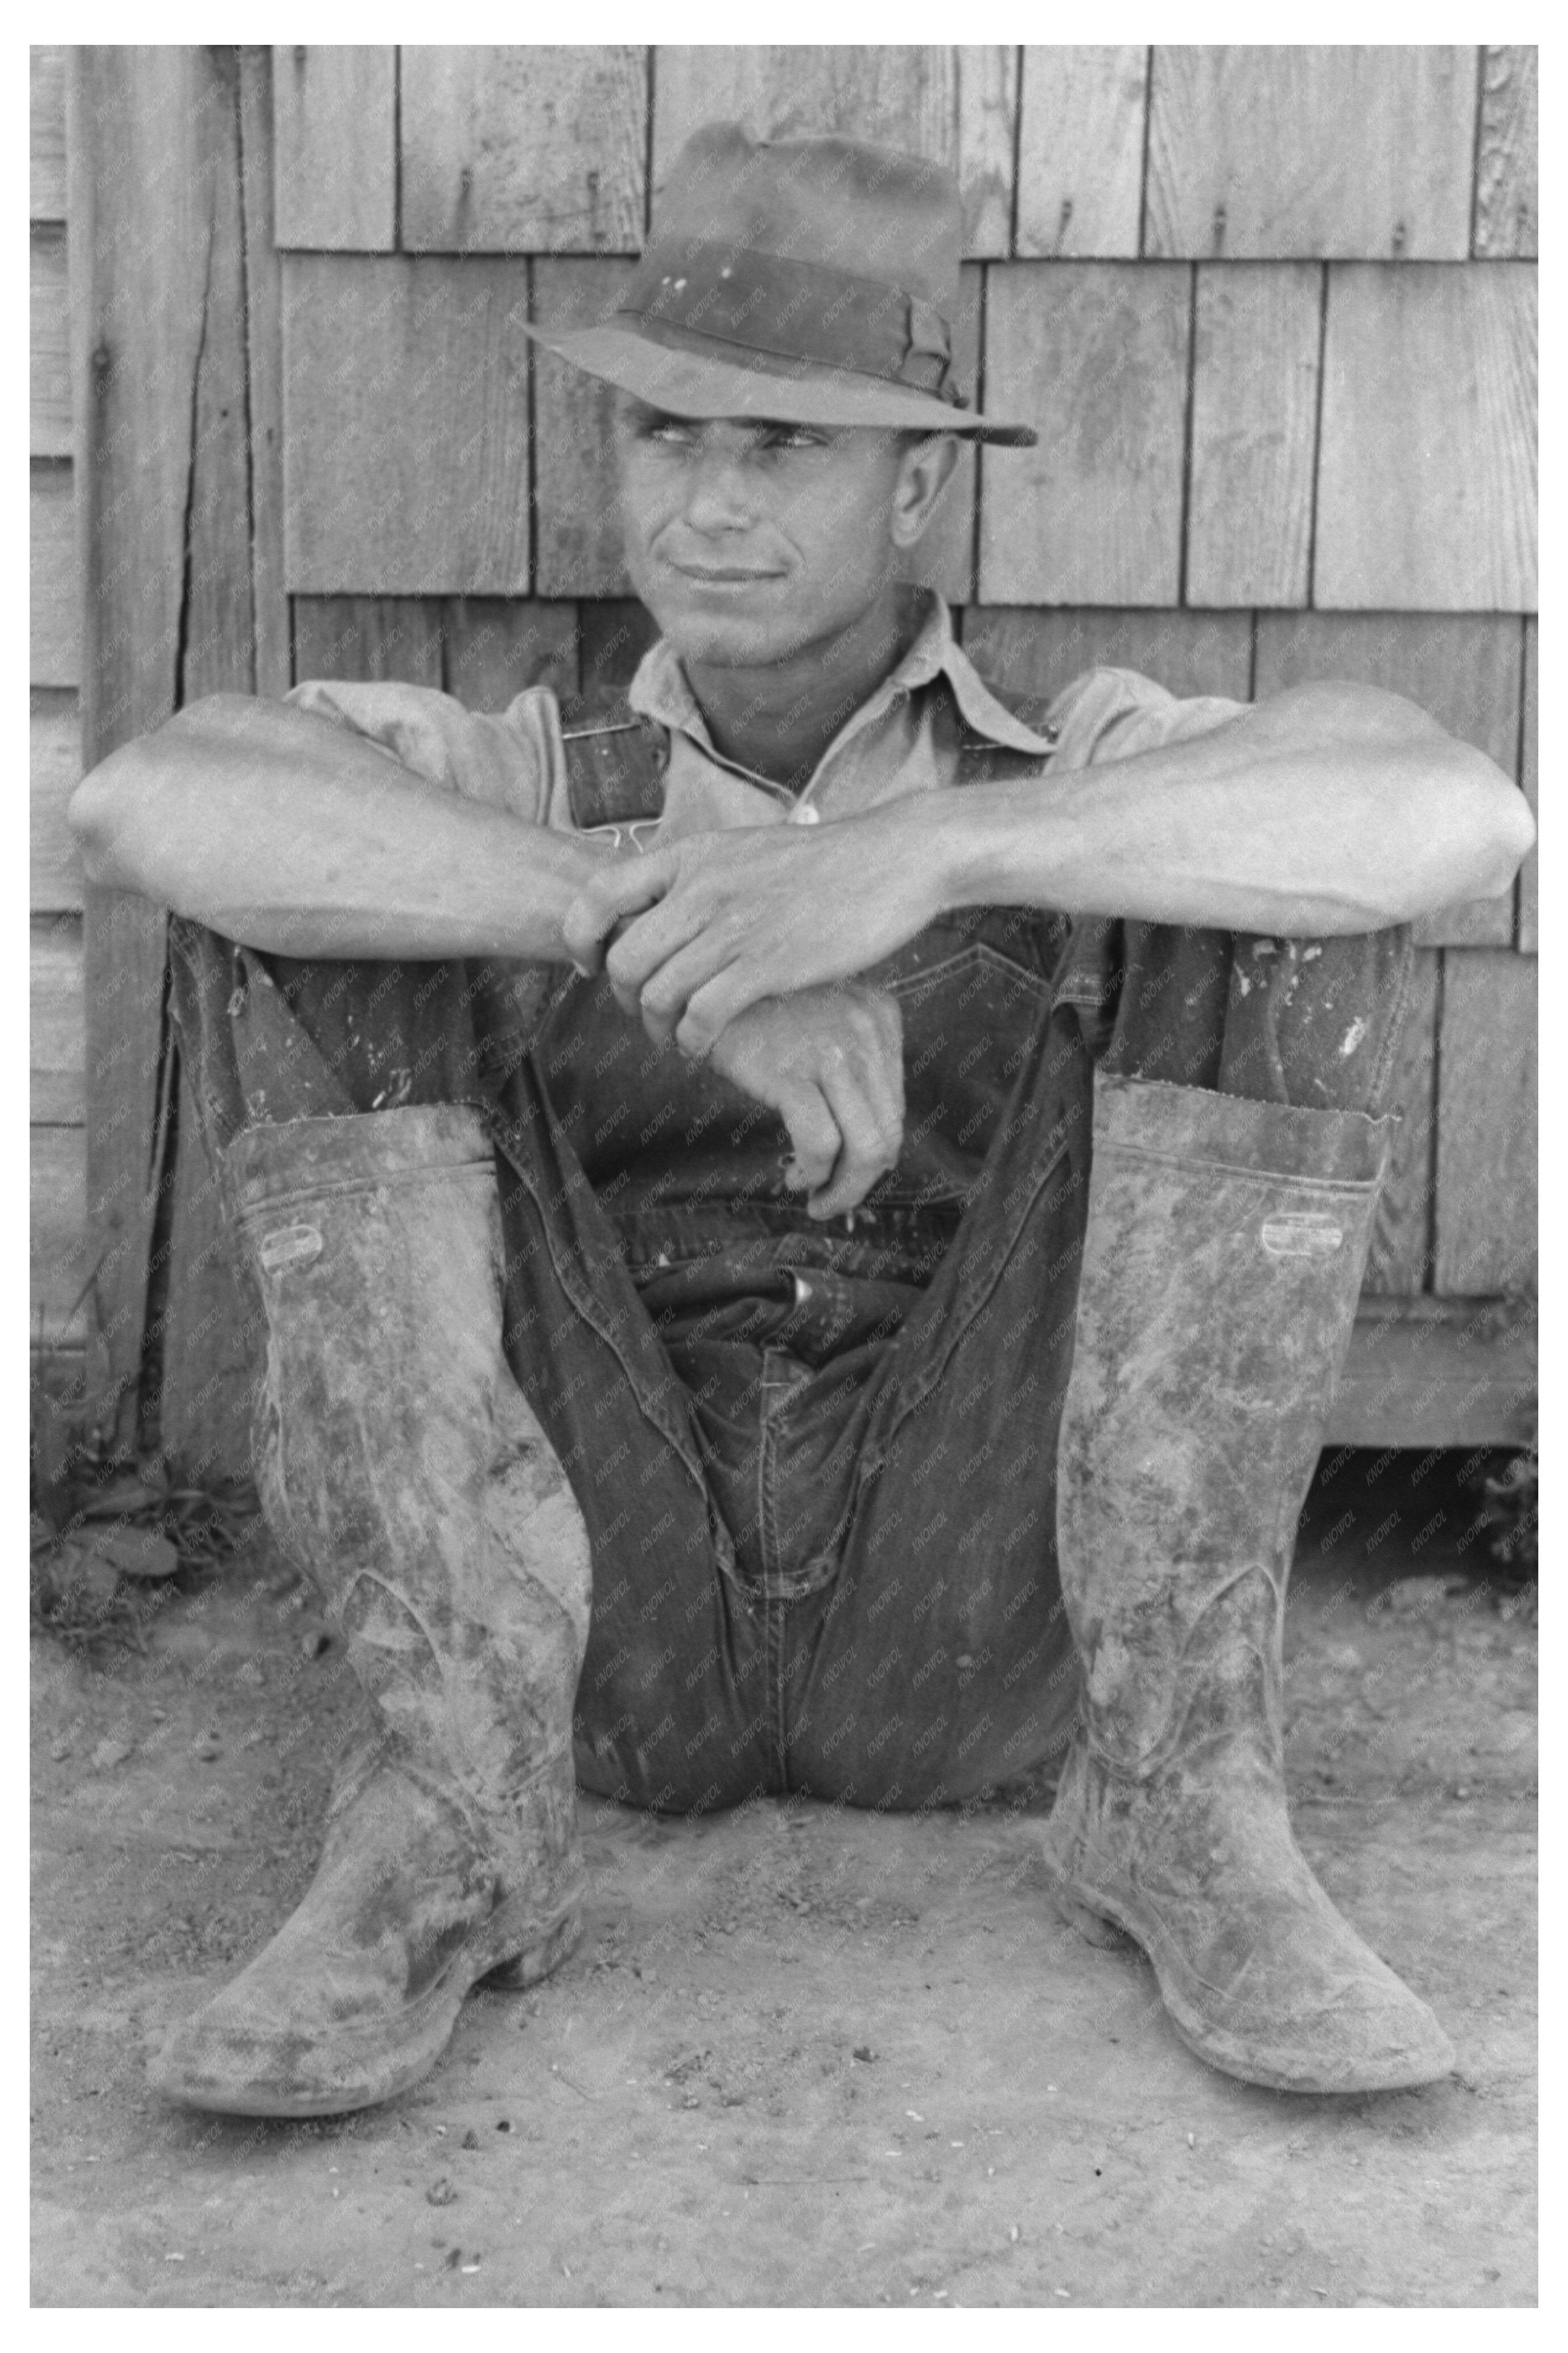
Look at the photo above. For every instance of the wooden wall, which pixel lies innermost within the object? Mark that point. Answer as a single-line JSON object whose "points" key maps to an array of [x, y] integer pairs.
{"points": [[59, 1136], [1286, 382]]}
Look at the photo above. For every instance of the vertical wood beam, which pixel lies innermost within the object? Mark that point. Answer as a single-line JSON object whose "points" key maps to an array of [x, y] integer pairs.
{"points": [[164, 470]]}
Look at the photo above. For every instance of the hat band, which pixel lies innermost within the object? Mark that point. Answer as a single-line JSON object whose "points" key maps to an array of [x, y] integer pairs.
{"points": [[807, 312]]}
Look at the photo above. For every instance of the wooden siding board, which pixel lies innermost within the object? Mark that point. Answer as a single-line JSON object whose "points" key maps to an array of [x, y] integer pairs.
{"points": [[1036, 652], [1486, 1123], [159, 369], [577, 531], [54, 616], [60, 1251], [56, 1037], [405, 426], [49, 404], [368, 638], [523, 150], [1506, 195], [1462, 667], [54, 764], [1254, 398], [1095, 354], [46, 71], [497, 647], [954, 105], [1529, 875], [1400, 1263], [1309, 152], [334, 115], [264, 358], [1080, 151], [1428, 1374], [1426, 479]]}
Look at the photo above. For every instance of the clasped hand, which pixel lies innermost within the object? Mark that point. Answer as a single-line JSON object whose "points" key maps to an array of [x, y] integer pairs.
{"points": [[741, 946], [693, 934]]}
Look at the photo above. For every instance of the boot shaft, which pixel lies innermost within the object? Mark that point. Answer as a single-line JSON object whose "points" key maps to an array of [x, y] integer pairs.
{"points": [[1225, 1245]]}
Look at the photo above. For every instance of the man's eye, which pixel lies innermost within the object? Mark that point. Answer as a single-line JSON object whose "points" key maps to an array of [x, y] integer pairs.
{"points": [[669, 430], [794, 437]]}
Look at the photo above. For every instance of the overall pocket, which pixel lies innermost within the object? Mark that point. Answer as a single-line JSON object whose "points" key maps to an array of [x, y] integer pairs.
{"points": [[969, 1016]]}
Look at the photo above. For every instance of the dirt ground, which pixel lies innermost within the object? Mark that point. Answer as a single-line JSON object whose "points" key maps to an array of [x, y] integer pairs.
{"points": [[801, 2056]]}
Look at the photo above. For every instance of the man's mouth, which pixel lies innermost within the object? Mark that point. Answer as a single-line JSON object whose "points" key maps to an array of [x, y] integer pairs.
{"points": [[722, 574]]}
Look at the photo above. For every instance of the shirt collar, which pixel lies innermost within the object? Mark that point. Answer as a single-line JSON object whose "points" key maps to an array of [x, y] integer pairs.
{"points": [[659, 690]]}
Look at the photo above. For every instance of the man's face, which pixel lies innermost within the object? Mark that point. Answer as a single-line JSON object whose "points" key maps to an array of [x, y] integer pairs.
{"points": [[749, 542]]}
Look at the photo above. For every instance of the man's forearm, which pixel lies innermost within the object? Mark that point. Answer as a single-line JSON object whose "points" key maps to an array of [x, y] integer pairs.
{"points": [[1269, 823], [293, 836]]}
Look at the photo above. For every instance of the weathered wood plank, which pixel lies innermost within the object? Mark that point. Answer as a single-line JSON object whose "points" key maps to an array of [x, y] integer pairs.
{"points": [[1095, 354], [498, 647], [1425, 1372], [577, 531], [264, 358], [46, 127], [160, 384], [50, 406], [528, 150], [1281, 152], [1464, 669], [1530, 777], [405, 426], [1040, 652], [237, 625], [61, 1250], [1399, 1263], [57, 1036], [1254, 399], [54, 765], [1080, 151], [1505, 198], [1486, 1123], [955, 105], [55, 618], [368, 638], [1426, 479], [207, 1326], [334, 115]]}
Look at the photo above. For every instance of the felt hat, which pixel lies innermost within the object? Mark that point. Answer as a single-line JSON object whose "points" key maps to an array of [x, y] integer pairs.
{"points": [[807, 281]]}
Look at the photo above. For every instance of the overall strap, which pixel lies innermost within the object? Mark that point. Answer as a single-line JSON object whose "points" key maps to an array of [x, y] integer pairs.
{"points": [[616, 762]]}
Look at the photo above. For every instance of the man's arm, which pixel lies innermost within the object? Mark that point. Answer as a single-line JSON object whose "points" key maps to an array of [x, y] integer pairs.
{"points": [[1325, 809], [288, 834]]}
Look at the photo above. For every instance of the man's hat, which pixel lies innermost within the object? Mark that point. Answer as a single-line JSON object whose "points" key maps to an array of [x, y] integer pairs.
{"points": [[810, 281]]}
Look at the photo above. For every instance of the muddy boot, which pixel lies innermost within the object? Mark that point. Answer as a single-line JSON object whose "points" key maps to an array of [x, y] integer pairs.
{"points": [[1223, 1259], [401, 1470]]}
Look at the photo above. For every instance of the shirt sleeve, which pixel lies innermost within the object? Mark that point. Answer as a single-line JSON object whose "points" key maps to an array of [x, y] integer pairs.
{"points": [[1112, 715], [507, 761]]}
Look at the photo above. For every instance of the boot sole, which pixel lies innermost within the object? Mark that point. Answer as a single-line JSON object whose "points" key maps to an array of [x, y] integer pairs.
{"points": [[374, 2072], [1106, 1923]]}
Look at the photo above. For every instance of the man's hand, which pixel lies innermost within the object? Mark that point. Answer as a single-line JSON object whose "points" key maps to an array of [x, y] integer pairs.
{"points": [[830, 1061], [720, 921]]}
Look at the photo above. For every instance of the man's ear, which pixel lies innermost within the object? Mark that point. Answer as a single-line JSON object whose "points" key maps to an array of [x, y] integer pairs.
{"points": [[924, 472]]}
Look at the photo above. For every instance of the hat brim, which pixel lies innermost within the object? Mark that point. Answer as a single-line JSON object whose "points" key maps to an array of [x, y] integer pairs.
{"points": [[692, 383]]}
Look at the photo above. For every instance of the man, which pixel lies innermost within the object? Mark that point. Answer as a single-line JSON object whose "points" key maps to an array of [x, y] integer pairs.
{"points": [[697, 1101]]}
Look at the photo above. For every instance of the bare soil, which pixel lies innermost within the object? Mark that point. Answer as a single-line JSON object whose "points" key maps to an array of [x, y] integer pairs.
{"points": [[802, 2056]]}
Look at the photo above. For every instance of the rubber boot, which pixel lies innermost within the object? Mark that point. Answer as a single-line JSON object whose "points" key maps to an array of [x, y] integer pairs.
{"points": [[1224, 1256], [401, 1470]]}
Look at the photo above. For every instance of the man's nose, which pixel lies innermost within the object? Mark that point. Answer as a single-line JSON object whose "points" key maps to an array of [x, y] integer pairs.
{"points": [[718, 497]]}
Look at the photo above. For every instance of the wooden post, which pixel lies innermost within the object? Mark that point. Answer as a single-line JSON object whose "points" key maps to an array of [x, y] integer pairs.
{"points": [[176, 462]]}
